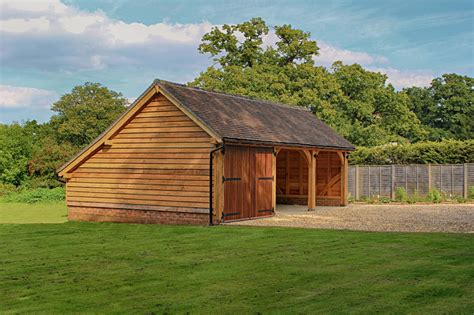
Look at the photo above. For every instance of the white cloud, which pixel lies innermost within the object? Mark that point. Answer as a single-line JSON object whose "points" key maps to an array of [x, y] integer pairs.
{"points": [[31, 8], [328, 54], [51, 36], [400, 79], [19, 97], [24, 25]]}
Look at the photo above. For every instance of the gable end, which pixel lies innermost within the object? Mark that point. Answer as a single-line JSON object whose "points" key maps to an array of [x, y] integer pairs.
{"points": [[105, 139]]}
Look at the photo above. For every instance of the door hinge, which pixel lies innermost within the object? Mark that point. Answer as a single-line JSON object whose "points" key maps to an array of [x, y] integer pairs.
{"points": [[230, 214], [228, 179]]}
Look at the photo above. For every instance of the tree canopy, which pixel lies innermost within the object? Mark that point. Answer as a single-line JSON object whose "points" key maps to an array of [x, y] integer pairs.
{"points": [[446, 107], [30, 152], [358, 103], [275, 64], [85, 112]]}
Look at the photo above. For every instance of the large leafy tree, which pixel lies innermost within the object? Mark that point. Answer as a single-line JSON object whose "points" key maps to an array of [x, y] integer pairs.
{"points": [[85, 112], [446, 107], [16, 146], [377, 113], [358, 103], [242, 45]]}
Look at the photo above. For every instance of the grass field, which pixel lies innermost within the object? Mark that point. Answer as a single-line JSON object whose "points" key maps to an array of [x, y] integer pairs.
{"points": [[13, 212], [127, 268]]}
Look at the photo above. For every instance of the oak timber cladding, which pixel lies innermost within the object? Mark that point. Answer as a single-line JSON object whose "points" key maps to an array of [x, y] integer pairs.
{"points": [[292, 178], [158, 161], [152, 164], [248, 182]]}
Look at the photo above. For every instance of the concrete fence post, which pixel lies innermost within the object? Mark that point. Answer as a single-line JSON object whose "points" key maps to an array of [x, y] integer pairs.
{"points": [[406, 178], [392, 182], [356, 181], [464, 175], [416, 174], [429, 177], [368, 168]]}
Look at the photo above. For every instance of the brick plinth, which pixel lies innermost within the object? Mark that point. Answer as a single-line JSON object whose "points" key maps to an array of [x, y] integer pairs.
{"points": [[320, 201], [328, 202], [136, 216], [292, 200]]}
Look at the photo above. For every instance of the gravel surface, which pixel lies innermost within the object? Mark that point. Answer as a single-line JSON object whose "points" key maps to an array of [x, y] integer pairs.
{"points": [[454, 218]]}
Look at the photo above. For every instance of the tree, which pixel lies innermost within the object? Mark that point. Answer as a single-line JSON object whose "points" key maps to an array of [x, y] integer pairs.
{"points": [[293, 46], [47, 154], [16, 145], [372, 105], [446, 107], [358, 103], [85, 113]]}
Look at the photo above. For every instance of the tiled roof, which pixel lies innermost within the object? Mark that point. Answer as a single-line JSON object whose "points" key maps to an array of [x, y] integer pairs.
{"points": [[237, 118]]}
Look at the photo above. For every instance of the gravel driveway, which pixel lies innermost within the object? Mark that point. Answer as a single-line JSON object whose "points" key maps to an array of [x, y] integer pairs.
{"points": [[458, 218]]}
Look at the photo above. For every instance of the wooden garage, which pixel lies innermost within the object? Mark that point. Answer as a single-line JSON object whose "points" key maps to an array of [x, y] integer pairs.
{"points": [[182, 155]]}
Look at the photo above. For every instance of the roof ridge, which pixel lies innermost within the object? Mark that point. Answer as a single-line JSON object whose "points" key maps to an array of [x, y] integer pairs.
{"points": [[235, 95]]}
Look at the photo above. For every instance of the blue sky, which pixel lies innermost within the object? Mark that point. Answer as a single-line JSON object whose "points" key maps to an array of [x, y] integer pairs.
{"points": [[47, 47]]}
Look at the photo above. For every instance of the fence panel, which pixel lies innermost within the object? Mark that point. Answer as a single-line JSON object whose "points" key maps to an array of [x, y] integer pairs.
{"points": [[382, 180], [469, 170]]}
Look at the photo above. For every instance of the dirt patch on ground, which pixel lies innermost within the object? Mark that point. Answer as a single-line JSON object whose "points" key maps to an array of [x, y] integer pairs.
{"points": [[454, 218]]}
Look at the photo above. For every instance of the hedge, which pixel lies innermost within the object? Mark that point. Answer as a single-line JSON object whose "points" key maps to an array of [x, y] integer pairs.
{"points": [[444, 152], [35, 195]]}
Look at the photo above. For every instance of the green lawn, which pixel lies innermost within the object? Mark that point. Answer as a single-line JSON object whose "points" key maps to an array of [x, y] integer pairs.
{"points": [[145, 269], [13, 212]]}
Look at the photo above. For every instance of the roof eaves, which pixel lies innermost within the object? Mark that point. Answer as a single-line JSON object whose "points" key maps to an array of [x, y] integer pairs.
{"points": [[281, 143]]}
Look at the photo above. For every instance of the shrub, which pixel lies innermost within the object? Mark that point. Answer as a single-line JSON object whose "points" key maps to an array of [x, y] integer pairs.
{"points": [[470, 192], [364, 198], [384, 200], [443, 152], [434, 196], [461, 199], [373, 200], [7, 188], [400, 194], [40, 182], [36, 195], [414, 198]]}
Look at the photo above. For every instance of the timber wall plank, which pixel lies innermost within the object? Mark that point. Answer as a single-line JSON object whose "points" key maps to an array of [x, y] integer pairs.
{"points": [[160, 159], [292, 175]]}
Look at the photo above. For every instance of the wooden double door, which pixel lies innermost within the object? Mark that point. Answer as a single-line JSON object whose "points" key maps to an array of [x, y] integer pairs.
{"points": [[248, 182]]}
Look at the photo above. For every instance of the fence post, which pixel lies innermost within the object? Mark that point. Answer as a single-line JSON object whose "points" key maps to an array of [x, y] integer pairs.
{"points": [[406, 178], [356, 175], [429, 177], [452, 179], [368, 168], [464, 174], [441, 178], [416, 173], [392, 190], [380, 181]]}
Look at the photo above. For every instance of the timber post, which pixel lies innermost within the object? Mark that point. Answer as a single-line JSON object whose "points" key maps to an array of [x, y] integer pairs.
{"points": [[274, 175], [344, 180], [312, 180]]}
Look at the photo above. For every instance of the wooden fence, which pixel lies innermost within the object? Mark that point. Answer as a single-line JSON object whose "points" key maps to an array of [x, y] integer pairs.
{"points": [[382, 180]]}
